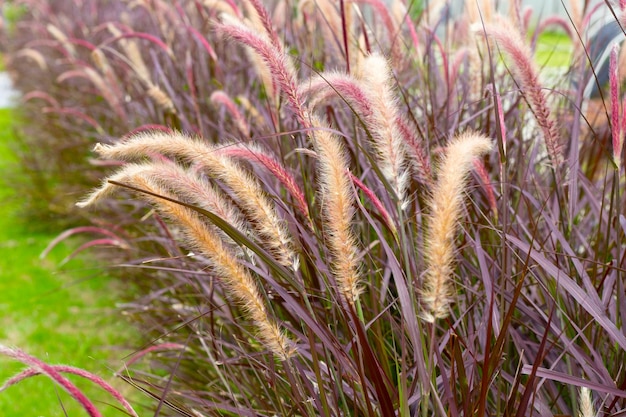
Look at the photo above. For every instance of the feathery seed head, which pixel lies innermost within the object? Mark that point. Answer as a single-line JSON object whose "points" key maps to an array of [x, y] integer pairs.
{"points": [[107, 189], [338, 197], [445, 211], [373, 99], [387, 137], [281, 68], [100, 60], [258, 156], [35, 56], [525, 70], [236, 278], [257, 206], [133, 53], [617, 124], [221, 98], [62, 38], [53, 373], [203, 238], [586, 403], [258, 121], [351, 89], [161, 99]]}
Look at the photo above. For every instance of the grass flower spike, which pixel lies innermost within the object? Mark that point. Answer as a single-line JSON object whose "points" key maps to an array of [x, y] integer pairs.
{"points": [[387, 138], [586, 403], [617, 117], [202, 238], [339, 212], [445, 210], [246, 189], [54, 372], [372, 97], [525, 69]]}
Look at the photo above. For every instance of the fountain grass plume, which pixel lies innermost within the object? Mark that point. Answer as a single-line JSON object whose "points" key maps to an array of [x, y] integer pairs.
{"points": [[617, 122], [445, 207], [186, 184], [137, 63], [373, 112], [31, 372], [375, 202], [387, 138], [372, 98], [53, 372], [586, 408], [62, 38], [337, 197], [487, 185], [201, 237], [264, 18], [526, 73], [255, 155], [237, 279], [257, 206], [280, 65], [322, 87], [221, 98]]}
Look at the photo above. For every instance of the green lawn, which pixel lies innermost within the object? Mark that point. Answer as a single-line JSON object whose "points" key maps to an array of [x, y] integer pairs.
{"points": [[59, 316], [554, 50]]}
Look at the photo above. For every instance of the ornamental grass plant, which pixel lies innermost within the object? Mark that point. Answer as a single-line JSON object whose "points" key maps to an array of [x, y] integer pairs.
{"points": [[340, 208]]}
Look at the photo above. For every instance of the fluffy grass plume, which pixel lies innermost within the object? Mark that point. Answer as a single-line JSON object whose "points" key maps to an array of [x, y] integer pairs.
{"points": [[586, 403], [188, 185], [279, 63], [525, 69], [617, 111], [387, 137], [445, 210], [373, 99], [255, 155], [54, 372], [338, 198], [203, 238], [246, 189]]}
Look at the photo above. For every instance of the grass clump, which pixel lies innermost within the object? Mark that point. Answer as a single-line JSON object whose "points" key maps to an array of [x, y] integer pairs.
{"points": [[347, 208]]}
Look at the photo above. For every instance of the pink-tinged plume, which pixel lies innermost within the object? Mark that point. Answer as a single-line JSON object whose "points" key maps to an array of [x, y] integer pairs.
{"points": [[485, 181], [54, 373], [617, 125], [279, 63], [221, 98], [257, 156], [30, 372], [526, 73]]}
